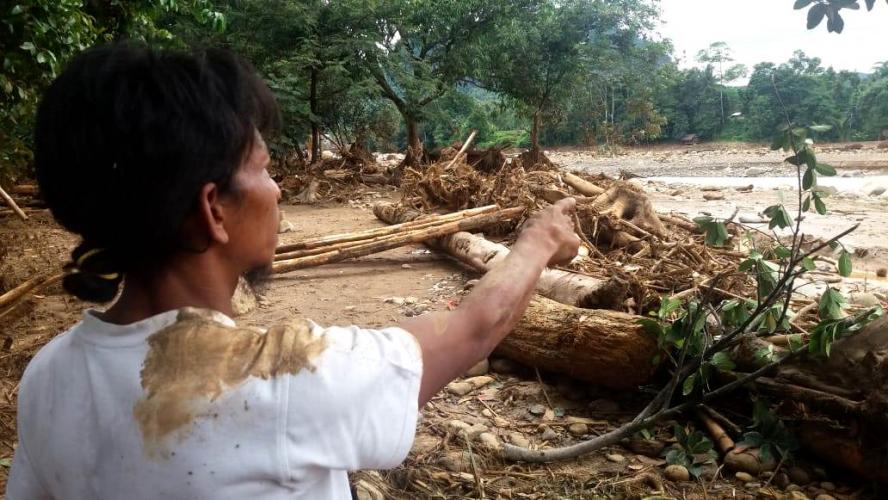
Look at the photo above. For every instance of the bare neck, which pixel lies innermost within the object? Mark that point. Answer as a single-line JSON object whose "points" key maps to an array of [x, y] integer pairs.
{"points": [[201, 280]]}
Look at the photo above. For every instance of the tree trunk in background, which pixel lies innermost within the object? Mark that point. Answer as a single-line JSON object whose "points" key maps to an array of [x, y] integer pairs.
{"points": [[413, 140], [535, 136], [313, 107]]}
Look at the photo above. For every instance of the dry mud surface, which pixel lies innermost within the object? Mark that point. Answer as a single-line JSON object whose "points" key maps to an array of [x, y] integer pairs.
{"points": [[502, 402]]}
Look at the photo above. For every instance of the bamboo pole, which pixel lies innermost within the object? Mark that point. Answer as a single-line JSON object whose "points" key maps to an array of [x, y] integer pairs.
{"points": [[9, 201], [468, 224], [463, 149], [324, 241], [12, 297]]}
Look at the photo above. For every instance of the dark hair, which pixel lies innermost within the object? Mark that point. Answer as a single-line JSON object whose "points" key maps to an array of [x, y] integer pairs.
{"points": [[125, 139]]}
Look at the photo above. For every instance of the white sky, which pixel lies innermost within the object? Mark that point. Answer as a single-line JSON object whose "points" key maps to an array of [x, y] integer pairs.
{"points": [[770, 31]]}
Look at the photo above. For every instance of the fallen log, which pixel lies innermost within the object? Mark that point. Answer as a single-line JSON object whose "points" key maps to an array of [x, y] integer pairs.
{"points": [[602, 347], [471, 223], [582, 185], [481, 254]]}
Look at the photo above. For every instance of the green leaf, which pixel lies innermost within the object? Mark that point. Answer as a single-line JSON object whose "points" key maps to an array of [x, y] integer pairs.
{"points": [[824, 169], [782, 252], [779, 141], [819, 205], [801, 4], [809, 179], [651, 326], [835, 23], [831, 304], [779, 217], [845, 266], [816, 15], [689, 384], [29, 46], [18, 9], [821, 128], [722, 361], [806, 205], [808, 264]]}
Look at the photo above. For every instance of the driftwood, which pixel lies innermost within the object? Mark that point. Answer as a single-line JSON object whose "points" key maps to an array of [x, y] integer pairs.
{"points": [[481, 254], [582, 185], [9, 201], [399, 240], [602, 347]]}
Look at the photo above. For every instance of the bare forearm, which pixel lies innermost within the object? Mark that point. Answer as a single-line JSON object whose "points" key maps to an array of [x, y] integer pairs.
{"points": [[499, 300], [452, 342]]}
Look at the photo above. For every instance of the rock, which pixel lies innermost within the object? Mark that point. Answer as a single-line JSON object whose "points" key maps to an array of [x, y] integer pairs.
{"points": [[781, 480], [879, 191], [882, 272], [745, 189], [744, 476], [327, 155], [537, 409], [456, 461], [824, 496], [366, 491], [752, 486], [754, 171], [424, 444], [285, 226], [549, 434], [578, 429], [519, 440], [713, 196], [615, 458], [829, 190], [793, 487], [798, 495], [476, 430], [647, 447], [244, 300], [748, 461], [410, 300], [864, 299], [490, 441], [458, 426], [751, 219], [502, 365], [500, 422], [398, 301], [479, 382], [676, 473], [828, 486], [406, 266], [799, 475], [459, 388]]}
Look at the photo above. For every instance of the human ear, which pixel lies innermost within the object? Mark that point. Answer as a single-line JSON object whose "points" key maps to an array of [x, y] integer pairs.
{"points": [[211, 213]]}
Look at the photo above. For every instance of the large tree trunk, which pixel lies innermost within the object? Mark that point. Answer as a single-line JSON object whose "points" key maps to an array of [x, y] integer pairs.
{"points": [[605, 348]]}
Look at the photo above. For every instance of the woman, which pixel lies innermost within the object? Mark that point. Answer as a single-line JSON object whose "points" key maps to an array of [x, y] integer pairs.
{"points": [[157, 160]]}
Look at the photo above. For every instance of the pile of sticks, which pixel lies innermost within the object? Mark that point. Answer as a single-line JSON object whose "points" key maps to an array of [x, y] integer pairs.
{"points": [[335, 248]]}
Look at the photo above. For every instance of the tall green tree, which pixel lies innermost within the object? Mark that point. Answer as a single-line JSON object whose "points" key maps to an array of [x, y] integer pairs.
{"points": [[38, 37], [423, 48], [720, 55]]}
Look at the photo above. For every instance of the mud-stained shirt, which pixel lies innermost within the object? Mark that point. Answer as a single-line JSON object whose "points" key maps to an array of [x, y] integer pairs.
{"points": [[186, 405]]}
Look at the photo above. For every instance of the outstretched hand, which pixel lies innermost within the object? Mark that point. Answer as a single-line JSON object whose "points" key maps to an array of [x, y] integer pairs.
{"points": [[553, 229]]}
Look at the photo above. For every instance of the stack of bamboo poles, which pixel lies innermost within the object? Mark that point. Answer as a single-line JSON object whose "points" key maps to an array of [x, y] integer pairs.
{"points": [[329, 249]]}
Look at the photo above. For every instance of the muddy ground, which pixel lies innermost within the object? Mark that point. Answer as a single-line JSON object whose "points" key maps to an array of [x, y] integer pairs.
{"points": [[511, 403]]}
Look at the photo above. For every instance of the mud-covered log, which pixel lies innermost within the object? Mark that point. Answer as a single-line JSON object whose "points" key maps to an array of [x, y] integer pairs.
{"points": [[605, 348]]}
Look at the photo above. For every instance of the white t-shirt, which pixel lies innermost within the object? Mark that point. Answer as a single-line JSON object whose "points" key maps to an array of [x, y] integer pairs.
{"points": [[131, 412]]}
